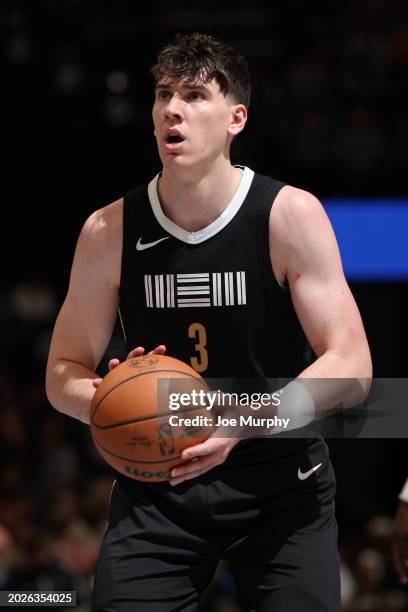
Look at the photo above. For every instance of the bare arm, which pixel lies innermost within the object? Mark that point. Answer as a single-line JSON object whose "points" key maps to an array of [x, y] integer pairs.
{"points": [[86, 320], [304, 251]]}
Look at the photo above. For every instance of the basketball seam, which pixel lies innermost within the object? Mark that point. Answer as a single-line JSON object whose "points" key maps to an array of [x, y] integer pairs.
{"points": [[122, 382]]}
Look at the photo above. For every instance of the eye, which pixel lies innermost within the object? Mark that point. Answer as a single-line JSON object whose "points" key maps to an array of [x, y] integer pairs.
{"points": [[195, 95], [163, 94]]}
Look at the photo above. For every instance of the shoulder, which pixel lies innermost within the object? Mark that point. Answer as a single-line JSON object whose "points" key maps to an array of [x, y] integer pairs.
{"points": [[295, 207], [105, 221], [297, 216], [103, 229], [298, 224], [99, 248]]}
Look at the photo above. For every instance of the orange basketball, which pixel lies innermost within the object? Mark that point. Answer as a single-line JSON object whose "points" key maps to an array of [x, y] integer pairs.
{"points": [[132, 424]]}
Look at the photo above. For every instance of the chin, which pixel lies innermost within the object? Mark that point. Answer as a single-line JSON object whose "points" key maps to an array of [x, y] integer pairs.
{"points": [[178, 161]]}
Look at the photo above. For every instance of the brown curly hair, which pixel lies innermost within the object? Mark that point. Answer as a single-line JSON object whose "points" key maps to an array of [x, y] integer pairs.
{"points": [[202, 58]]}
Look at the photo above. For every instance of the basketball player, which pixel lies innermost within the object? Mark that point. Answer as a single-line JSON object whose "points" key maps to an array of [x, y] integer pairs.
{"points": [[236, 274], [400, 536]]}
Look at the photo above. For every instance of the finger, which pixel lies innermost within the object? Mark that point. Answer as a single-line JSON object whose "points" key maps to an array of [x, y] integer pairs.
{"points": [[96, 382], [159, 350], [190, 467], [136, 352], [205, 466], [176, 481], [198, 450], [113, 363]]}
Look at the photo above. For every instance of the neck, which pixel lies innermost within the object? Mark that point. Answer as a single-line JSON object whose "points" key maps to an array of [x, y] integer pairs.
{"points": [[195, 203]]}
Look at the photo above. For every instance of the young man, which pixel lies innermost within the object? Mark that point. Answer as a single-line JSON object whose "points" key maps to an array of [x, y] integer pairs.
{"points": [[232, 271]]}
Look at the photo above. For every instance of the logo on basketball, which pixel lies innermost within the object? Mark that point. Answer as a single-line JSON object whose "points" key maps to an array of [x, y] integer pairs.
{"points": [[141, 441], [191, 431], [146, 474], [166, 441], [143, 361]]}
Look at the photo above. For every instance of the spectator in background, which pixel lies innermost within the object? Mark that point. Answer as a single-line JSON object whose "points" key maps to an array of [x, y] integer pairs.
{"points": [[400, 536], [8, 559]]}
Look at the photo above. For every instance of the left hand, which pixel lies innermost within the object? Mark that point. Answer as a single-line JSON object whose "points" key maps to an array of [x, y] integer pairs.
{"points": [[202, 457]]}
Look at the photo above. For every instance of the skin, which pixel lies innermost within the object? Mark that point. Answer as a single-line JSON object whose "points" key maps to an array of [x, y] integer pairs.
{"points": [[197, 183], [400, 542]]}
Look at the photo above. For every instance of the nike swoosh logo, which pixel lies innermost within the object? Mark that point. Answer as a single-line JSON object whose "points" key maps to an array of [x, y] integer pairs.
{"points": [[304, 475], [148, 245]]}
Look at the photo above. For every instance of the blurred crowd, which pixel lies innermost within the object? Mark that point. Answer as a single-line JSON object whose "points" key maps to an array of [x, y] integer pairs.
{"points": [[329, 81]]}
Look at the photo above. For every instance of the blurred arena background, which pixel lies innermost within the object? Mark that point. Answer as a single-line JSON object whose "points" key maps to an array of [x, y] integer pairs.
{"points": [[329, 114]]}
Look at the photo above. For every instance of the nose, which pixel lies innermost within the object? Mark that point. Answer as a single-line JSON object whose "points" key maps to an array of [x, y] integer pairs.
{"points": [[173, 108]]}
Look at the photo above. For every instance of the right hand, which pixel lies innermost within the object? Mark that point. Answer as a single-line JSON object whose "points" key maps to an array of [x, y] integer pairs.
{"points": [[137, 352]]}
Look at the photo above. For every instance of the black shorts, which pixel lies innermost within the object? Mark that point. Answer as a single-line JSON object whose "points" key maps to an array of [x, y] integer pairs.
{"points": [[277, 531]]}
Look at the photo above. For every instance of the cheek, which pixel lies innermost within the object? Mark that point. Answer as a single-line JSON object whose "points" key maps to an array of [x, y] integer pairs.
{"points": [[213, 129], [155, 118]]}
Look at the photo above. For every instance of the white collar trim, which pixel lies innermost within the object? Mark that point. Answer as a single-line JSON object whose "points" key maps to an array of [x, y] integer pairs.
{"points": [[216, 226]]}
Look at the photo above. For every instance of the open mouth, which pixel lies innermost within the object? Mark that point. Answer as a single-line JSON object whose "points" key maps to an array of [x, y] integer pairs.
{"points": [[174, 139]]}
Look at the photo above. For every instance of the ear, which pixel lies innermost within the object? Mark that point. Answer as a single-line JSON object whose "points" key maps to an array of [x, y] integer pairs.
{"points": [[239, 115]]}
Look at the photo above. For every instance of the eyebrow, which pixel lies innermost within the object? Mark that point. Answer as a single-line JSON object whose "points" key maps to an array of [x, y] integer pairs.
{"points": [[184, 86]]}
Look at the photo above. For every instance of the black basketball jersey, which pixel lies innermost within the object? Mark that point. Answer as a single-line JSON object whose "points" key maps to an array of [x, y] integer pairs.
{"points": [[210, 296]]}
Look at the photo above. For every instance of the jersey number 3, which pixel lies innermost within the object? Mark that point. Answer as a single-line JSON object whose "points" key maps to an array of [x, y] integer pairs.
{"points": [[198, 333]]}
